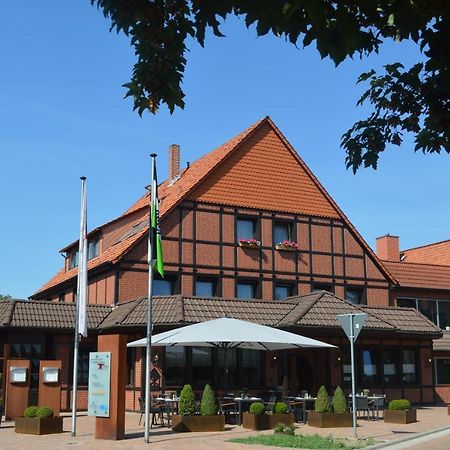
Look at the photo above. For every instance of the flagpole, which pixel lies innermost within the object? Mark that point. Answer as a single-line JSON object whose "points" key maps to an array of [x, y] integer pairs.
{"points": [[80, 281], [149, 307]]}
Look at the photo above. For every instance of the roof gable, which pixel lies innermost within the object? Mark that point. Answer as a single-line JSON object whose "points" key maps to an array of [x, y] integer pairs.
{"points": [[264, 173]]}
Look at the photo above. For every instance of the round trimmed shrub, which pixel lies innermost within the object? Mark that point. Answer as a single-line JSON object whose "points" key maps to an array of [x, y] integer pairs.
{"points": [[399, 405], [339, 401], [186, 403], [30, 411], [257, 408], [322, 404], [279, 428], [208, 405], [44, 412], [280, 408]]}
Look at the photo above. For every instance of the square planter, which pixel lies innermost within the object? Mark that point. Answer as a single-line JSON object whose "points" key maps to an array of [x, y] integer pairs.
{"points": [[35, 425], [448, 409], [329, 420], [198, 423], [285, 419], [401, 417], [256, 421]]}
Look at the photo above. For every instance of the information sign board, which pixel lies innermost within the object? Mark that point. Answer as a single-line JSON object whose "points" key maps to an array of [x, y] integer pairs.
{"points": [[99, 383]]}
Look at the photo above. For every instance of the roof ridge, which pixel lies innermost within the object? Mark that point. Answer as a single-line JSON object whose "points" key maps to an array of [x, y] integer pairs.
{"points": [[425, 245], [416, 263], [297, 306]]}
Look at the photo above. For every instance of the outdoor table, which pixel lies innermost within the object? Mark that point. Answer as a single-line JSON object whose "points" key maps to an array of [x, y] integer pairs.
{"points": [[305, 400], [240, 401], [172, 404]]}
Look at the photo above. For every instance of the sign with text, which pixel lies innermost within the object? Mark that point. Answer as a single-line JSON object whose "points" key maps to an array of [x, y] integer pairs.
{"points": [[99, 383]]}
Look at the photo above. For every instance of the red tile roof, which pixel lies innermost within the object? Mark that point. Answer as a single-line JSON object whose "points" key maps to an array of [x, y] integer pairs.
{"points": [[435, 253], [428, 276], [310, 196]]}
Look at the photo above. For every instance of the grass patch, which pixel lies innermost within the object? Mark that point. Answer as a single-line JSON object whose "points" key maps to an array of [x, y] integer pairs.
{"points": [[304, 441]]}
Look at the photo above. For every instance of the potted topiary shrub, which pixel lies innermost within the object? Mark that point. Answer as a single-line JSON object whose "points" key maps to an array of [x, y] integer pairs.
{"points": [[256, 418], [38, 420], [326, 416], [400, 411], [280, 415], [209, 420]]}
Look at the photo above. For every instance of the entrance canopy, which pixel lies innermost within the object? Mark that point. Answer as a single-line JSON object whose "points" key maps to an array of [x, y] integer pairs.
{"points": [[230, 333]]}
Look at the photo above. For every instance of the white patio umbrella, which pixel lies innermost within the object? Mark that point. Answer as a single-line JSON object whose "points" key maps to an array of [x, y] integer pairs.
{"points": [[227, 333]]}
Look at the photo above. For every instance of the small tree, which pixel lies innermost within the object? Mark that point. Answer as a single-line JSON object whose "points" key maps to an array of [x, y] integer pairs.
{"points": [[186, 405], [208, 406], [339, 401], [322, 404]]}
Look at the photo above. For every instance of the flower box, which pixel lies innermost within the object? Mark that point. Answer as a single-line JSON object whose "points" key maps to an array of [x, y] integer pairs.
{"points": [[329, 420], [400, 416], [289, 246], [198, 423], [250, 243], [281, 247], [37, 425]]}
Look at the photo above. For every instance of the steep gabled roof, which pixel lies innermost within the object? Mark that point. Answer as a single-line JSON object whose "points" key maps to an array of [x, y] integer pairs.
{"points": [[425, 276], [171, 193], [434, 253]]}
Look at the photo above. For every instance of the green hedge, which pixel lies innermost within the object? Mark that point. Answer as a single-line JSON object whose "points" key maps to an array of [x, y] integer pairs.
{"points": [[208, 406], [257, 408], [339, 401], [280, 408], [322, 404], [44, 412], [30, 411], [186, 403], [399, 405]]}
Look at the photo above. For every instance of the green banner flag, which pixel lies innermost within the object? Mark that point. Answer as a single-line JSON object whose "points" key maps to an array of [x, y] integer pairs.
{"points": [[157, 254]]}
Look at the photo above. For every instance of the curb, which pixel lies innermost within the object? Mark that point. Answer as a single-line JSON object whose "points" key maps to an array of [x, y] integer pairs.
{"points": [[406, 439]]}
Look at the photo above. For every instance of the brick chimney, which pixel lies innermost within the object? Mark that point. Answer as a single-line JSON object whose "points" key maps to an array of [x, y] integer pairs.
{"points": [[174, 161], [388, 248]]}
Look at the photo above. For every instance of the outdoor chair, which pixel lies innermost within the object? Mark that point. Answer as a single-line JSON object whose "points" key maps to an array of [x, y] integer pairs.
{"points": [[377, 404], [157, 411], [362, 404], [270, 404], [228, 408], [296, 407]]}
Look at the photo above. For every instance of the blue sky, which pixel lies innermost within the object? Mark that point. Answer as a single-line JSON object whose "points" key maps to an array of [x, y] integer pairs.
{"points": [[62, 115]]}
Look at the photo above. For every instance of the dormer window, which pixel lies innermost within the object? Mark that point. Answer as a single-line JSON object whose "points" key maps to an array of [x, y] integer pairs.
{"points": [[73, 260], [92, 249]]}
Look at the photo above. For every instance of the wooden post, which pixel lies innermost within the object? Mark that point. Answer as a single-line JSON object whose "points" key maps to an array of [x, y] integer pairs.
{"points": [[113, 427], [50, 392], [17, 392]]}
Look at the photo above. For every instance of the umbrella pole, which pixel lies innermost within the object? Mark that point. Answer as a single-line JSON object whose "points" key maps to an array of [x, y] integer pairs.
{"points": [[225, 379]]}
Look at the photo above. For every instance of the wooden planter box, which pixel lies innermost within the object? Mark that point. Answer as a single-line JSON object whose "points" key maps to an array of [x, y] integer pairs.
{"points": [[329, 420], [198, 423], [402, 417], [256, 421], [35, 425], [285, 419], [266, 421], [448, 409]]}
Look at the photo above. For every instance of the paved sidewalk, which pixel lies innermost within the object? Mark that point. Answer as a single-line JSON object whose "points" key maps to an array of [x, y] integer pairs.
{"points": [[164, 438]]}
